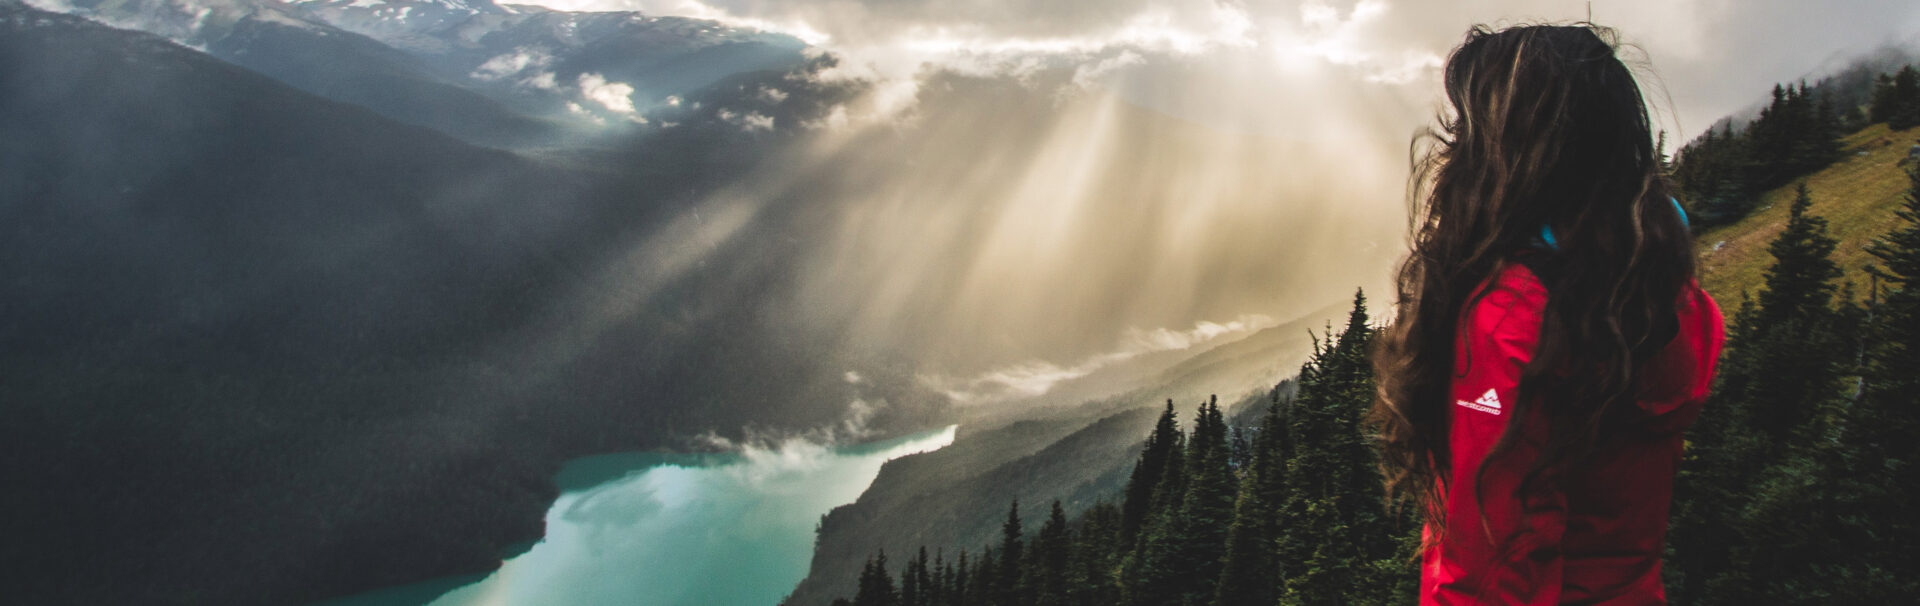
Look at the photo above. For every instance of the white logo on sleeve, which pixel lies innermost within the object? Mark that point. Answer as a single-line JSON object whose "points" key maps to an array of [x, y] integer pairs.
{"points": [[1488, 403]]}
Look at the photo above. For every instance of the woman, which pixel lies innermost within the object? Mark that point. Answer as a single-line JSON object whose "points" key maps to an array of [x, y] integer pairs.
{"points": [[1550, 343]]}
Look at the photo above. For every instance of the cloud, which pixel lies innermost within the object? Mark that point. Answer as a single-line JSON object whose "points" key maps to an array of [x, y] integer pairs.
{"points": [[581, 110], [1162, 339], [1036, 377], [1087, 75], [859, 413], [750, 121], [614, 96], [508, 64], [853, 427], [542, 81]]}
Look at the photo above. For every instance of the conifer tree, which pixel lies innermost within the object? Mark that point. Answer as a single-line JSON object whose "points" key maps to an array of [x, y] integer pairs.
{"points": [[1239, 447], [963, 588], [925, 578], [1904, 110], [1147, 473], [1797, 347], [1883, 102], [1800, 282], [1097, 547], [1830, 128], [1156, 572], [1008, 590], [1337, 527], [1770, 139], [909, 586], [1247, 572], [1206, 508], [1147, 574], [942, 590], [980, 590], [876, 584], [1047, 569]]}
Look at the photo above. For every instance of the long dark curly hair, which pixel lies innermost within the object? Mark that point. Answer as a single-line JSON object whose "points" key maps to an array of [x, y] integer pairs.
{"points": [[1547, 127]]}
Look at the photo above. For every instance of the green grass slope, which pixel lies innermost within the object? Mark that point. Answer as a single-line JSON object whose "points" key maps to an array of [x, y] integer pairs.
{"points": [[1857, 196]]}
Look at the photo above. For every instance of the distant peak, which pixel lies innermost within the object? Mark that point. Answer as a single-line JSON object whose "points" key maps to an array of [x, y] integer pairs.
{"points": [[469, 6]]}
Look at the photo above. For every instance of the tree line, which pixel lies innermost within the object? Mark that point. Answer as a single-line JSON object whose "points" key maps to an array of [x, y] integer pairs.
{"points": [[1722, 173], [1896, 99], [1793, 488]]}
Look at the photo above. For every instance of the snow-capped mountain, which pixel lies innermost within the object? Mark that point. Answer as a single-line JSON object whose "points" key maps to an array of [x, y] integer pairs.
{"points": [[509, 75], [617, 64], [403, 23]]}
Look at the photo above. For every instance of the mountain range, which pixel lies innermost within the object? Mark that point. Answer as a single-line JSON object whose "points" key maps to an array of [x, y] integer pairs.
{"points": [[506, 76]]}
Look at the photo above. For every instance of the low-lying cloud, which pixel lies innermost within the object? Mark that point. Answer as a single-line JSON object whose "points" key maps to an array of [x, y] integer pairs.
{"points": [[1035, 378], [511, 64], [614, 96]]}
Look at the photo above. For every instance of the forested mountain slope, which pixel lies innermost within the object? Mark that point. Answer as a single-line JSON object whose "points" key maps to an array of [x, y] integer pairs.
{"points": [[1858, 195]]}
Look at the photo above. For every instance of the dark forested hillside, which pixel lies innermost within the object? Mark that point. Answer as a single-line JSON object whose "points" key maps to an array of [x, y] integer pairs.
{"points": [[1292, 514]]}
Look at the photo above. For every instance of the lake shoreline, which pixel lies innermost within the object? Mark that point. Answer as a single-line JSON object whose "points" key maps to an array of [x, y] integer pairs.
{"points": [[606, 502]]}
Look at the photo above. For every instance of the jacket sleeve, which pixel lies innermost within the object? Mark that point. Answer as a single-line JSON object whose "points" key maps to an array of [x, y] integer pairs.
{"points": [[1497, 548]]}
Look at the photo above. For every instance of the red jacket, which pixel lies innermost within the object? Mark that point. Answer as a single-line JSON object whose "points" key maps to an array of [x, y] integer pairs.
{"points": [[1596, 536]]}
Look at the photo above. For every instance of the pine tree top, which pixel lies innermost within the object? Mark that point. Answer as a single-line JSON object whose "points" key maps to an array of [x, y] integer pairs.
{"points": [[1801, 280]]}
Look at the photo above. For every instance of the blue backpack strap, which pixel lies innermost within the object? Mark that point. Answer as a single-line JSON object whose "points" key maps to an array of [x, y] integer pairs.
{"points": [[1547, 241]]}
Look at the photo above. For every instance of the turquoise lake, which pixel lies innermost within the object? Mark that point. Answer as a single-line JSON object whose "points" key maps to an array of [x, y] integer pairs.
{"points": [[653, 529]]}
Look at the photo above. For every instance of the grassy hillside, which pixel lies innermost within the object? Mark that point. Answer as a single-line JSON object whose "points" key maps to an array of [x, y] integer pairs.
{"points": [[1857, 195]]}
